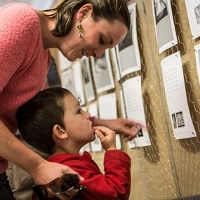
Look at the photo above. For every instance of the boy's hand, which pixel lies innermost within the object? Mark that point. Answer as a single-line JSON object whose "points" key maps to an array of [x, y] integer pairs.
{"points": [[106, 136]]}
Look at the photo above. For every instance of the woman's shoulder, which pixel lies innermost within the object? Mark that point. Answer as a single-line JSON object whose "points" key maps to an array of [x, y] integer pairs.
{"points": [[19, 19]]}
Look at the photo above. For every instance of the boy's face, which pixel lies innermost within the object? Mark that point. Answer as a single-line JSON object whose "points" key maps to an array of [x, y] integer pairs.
{"points": [[77, 122]]}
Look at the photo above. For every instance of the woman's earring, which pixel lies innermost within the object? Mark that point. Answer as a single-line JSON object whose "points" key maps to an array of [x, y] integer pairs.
{"points": [[80, 28]]}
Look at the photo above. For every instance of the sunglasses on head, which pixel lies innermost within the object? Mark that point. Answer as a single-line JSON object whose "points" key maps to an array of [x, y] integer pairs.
{"points": [[60, 185]]}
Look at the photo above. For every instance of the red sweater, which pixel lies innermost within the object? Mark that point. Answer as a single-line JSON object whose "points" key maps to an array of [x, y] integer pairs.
{"points": [[114, 184], [24, 62]]}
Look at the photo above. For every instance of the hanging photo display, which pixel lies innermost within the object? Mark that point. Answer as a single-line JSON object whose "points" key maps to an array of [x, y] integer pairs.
{"points": [[164, 24], [128, 48], [176, 97], [133, 102], [102, 73], [193, 11]]}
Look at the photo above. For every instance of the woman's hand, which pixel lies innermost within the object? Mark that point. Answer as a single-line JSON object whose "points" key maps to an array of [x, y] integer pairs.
{"points": [[128, 128], [48, 171]]}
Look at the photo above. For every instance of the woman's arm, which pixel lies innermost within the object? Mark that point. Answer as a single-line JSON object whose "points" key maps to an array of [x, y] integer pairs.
{"points": [[120, 126], [16, 152]]}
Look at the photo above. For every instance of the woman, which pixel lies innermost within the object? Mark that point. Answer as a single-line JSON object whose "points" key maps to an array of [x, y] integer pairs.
{"points": [[77, 28]]}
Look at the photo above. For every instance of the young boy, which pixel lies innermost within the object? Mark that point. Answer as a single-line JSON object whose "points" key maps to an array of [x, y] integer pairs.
{"points": [[54, 123]]}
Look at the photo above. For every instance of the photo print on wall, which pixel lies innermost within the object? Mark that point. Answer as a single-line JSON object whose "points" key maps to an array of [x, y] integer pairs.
{"points": [[164, 24]]}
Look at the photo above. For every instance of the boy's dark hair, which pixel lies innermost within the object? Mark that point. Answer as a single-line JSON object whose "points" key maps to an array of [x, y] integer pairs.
{"points": [[36, 118]]}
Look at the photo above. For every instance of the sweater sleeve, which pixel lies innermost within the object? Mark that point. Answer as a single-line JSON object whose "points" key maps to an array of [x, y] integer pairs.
{"points": [[16, 31], [115, 183]]}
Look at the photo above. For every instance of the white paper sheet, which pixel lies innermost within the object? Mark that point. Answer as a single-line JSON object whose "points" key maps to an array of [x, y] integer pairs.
{"points": [[176, 97], [78, 83], [86, 147], [193, 11], [96, 144], [134, 109], [107, 106], [118, 141], [93, 109], [197, 57], [108, 110]]}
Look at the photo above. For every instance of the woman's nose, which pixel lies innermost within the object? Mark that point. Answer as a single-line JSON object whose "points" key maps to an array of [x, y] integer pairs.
{"points": [[99, 52]]}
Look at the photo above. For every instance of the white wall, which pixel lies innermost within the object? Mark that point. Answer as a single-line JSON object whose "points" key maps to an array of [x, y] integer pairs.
{"points": [[38, 4]]}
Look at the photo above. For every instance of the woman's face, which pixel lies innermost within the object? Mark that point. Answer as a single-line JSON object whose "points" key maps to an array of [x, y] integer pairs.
{"points": [[96, 38]]}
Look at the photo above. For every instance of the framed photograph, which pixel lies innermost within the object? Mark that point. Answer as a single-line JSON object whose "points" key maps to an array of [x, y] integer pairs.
{"points": [[96, 144], [115, 62], [127, 51], [67, 80], [164, 24], [78, 84], [64, 64], [87, 80], [102, 73], [193, 11]]}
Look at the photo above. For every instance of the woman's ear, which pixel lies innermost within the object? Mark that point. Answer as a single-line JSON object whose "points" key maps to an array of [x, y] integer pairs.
{"points": [[84, 11], [59, 132]]}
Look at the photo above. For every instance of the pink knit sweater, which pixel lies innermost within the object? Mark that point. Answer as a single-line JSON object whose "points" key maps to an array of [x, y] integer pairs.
{"points": [[24, 62]]}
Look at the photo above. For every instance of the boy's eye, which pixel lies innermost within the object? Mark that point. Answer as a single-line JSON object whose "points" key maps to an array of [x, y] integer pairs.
{"points": [[79, 111]]}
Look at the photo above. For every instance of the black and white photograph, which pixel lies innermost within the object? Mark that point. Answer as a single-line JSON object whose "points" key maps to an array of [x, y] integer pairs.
{"points": [[197, 13], [128, 48], [140, 133], [160, 7], [67, 80], [180, 119], [164, 24], [87, 80], [193, 12], [174, 120], [102, 73]]}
